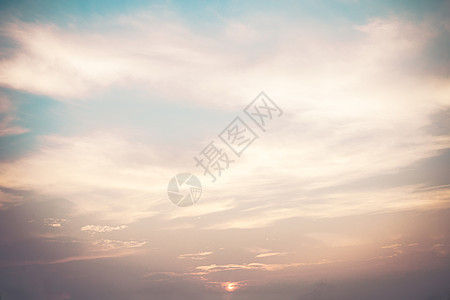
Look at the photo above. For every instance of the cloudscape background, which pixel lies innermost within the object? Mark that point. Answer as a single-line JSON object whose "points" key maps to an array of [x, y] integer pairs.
{"points": [[345, 196]]}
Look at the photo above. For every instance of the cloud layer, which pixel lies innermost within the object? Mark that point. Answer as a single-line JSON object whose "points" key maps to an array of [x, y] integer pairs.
{"points": [[352, 179]]}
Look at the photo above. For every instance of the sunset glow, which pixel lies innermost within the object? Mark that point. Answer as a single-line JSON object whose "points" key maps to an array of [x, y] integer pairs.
{"points": [[230, 287]]}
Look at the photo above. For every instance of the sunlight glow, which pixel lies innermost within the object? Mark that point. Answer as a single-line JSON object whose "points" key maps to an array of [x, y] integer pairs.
{"points": [[230, 286]]}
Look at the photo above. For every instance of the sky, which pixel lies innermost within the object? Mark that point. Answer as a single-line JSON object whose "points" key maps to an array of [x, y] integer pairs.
{"points": [[315, 136]]}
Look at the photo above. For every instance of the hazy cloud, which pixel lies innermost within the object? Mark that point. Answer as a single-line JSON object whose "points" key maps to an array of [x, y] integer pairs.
{"points": [[98, 228]]}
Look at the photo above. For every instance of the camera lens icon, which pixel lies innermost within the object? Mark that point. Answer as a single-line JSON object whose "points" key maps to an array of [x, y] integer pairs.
{"points": [[184, 189]]}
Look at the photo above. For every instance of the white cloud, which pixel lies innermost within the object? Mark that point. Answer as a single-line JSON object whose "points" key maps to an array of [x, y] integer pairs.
{"points": [[196, 256], [169, 59], [257, 250], [391, 246], [270, 254], [355, 107], [97, 173], [333, 205], [107, 245], [99, 229], [54, 222], [256, 266]]}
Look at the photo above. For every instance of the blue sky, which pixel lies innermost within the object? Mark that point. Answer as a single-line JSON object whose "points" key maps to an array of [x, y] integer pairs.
{"points": [[103, 102]]}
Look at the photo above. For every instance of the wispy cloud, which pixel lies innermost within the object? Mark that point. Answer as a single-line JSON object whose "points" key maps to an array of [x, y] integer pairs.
{"points": [[269, 254], [91, 172], [138, 94], [8, 200], [54, 222], [8, 117], [99, 228], [196, 256], [392, 246], [255, 266], [332, 205], [76, 258], [106, 244]]}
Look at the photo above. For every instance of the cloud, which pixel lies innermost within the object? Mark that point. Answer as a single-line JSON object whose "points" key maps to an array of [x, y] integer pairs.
{"points": [[76, 258], [93, 173], [269, 254], [57, 250], [154, 54], [257, 250], [107, 178], [99, 229], [196, 256], [361, 105], [8, 118], [392, 246], [150, 51], [106, 244], [360, 111], [8, 200], [54, 222], [255, 266], [335, 240], [334, 205]]}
